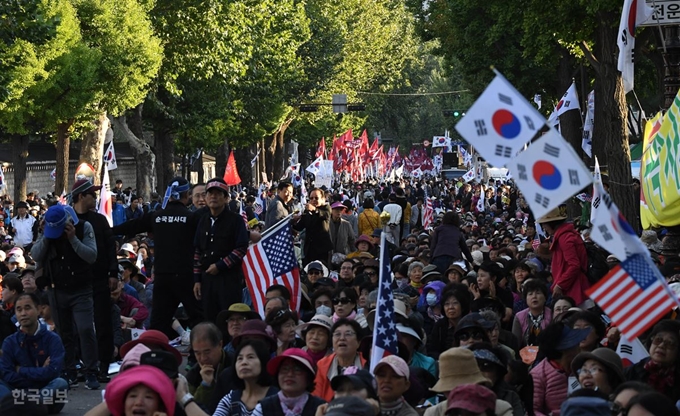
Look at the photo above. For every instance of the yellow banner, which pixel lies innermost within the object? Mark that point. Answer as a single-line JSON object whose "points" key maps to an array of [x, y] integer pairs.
{"points": [[651, 128], [660, 174]]}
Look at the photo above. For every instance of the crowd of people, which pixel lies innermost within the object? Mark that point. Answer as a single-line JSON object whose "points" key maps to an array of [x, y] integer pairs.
{"points": [[490, 305]]}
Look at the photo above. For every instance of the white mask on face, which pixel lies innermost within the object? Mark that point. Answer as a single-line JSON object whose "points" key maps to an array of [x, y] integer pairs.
{"points": [[431, 299], [324, 310]]}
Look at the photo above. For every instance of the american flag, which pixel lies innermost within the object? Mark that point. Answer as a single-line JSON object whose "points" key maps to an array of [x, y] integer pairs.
{"points": [[385, 328], [260, 204], [243, 212], [536, 242], [634, 295], [428, 211], [272, 261]]}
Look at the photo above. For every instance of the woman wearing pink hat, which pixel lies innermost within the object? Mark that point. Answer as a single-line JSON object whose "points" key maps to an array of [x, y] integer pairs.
{"points": [[142, 390], [294, 373]]}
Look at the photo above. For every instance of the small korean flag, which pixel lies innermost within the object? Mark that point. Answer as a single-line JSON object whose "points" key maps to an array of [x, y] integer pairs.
{"points": [[549, 172], [500, 122]]}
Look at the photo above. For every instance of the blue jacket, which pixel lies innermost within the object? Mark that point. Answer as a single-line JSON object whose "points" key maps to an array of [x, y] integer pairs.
{"points": [[30, 352], [118, 214]]}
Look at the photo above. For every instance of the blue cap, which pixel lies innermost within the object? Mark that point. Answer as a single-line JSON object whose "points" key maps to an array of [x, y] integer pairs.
{"points": [[571, 337], [56, 218]]}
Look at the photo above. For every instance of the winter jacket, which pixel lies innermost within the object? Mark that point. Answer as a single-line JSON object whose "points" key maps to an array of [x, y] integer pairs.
{"points": [[201, 392], [569, 263], [550, 388], [24, 230], [128, 304], [29, 353], [448, 240], [637, 372], [522, 324], [322, 384], [369, 220]]}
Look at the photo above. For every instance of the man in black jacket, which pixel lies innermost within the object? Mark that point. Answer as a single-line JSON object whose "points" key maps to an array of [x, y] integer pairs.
{"points": [[174, 228], [66, 251], [106, 267], [220, 245]]}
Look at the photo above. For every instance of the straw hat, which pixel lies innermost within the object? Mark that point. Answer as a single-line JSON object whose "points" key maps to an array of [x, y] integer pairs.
{"points": [[458, 366], [556, 214]]}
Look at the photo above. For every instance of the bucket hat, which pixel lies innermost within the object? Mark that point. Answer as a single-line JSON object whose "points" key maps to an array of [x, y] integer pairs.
{"points": [[605, 356], [457, 366]]}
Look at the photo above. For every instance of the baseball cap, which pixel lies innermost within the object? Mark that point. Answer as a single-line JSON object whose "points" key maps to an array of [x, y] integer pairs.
{"points": [[396, 363], [56, 218], [360, 379], [82, 186]]}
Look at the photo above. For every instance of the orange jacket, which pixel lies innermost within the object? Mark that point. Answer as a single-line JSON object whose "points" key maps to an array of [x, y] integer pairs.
{"points": [[322, 385]]}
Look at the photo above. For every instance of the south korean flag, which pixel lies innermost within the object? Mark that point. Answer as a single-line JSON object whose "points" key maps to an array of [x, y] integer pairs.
{"points": [[549, 172], [500, 122], [469, 175]]}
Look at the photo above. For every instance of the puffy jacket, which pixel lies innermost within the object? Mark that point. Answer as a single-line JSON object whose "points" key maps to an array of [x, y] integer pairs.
{"points": [[29, 353], [569, 263], [550, 388]]}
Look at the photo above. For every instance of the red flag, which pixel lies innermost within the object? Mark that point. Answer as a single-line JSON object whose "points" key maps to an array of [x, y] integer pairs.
{"points": [[347, 136], [321, 149], [230, 173]]}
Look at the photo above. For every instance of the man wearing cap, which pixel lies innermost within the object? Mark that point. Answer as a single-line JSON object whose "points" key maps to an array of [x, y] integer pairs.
{"points": [[105, 268], [24, 226], [220, 245], [392, 375], [174, 230], [66, 251], [231, 323], [342, 234], [569, 258], [279, 207]]}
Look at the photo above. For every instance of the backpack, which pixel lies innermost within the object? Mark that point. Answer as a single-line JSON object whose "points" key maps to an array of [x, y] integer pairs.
{"points": [[597, 263]]}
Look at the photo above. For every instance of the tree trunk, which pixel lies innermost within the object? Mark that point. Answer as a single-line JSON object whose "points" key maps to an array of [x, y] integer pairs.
{"points": [[92, 148], [19, 156], [243, 157], [221, 159], [571, 125], [134, 121], [610, 133], [62, 157], [144, 156], [164, 145], [279, 157], [269, 151]]}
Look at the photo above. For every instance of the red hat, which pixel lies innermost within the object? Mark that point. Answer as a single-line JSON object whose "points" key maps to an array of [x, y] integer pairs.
{"points": [[153, 339], [296, 354], [147, 375], [473, 397]]}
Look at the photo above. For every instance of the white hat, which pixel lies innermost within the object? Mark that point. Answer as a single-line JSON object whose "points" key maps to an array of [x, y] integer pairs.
{"points": [[477, 257], [128, 247]]}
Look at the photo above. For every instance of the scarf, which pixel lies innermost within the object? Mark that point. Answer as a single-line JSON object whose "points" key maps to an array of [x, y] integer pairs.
{"points": [[351, 317], [292, 406], [391, 408], [535, 329], [417, 286], [316, 356], [435, 317], [335, 368], [659, 377]]}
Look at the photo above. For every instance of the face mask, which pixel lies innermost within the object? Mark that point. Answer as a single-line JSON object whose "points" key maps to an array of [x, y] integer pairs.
{"points": [[404, 282], [431, 299], [324, 310]]}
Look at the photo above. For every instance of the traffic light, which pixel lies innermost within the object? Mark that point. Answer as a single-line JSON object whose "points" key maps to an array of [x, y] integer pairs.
{"points": [[453, 113]]}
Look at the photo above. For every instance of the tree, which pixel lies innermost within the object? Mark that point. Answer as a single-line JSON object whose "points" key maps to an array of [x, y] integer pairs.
{"points": [[530, 37]]}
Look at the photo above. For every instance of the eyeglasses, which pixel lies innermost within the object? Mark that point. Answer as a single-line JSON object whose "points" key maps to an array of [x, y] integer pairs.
{"points": [[617, 409], [295, 369], [342, 301], [659, 340], [348, 334], [465, 336], [314, 272], [592, 371], [370, 273]]}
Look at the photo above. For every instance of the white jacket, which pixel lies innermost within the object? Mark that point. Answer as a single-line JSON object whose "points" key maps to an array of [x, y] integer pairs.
{"points": [[23, 230]]}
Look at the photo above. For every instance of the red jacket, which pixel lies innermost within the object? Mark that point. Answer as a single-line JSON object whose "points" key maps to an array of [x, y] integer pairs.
{"points": [[569, 263]]}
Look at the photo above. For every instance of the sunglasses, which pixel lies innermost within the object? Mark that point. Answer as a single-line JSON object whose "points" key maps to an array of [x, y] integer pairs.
{"points": [[314, 272], [370, 273], [341, 301], [465, 336]]}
